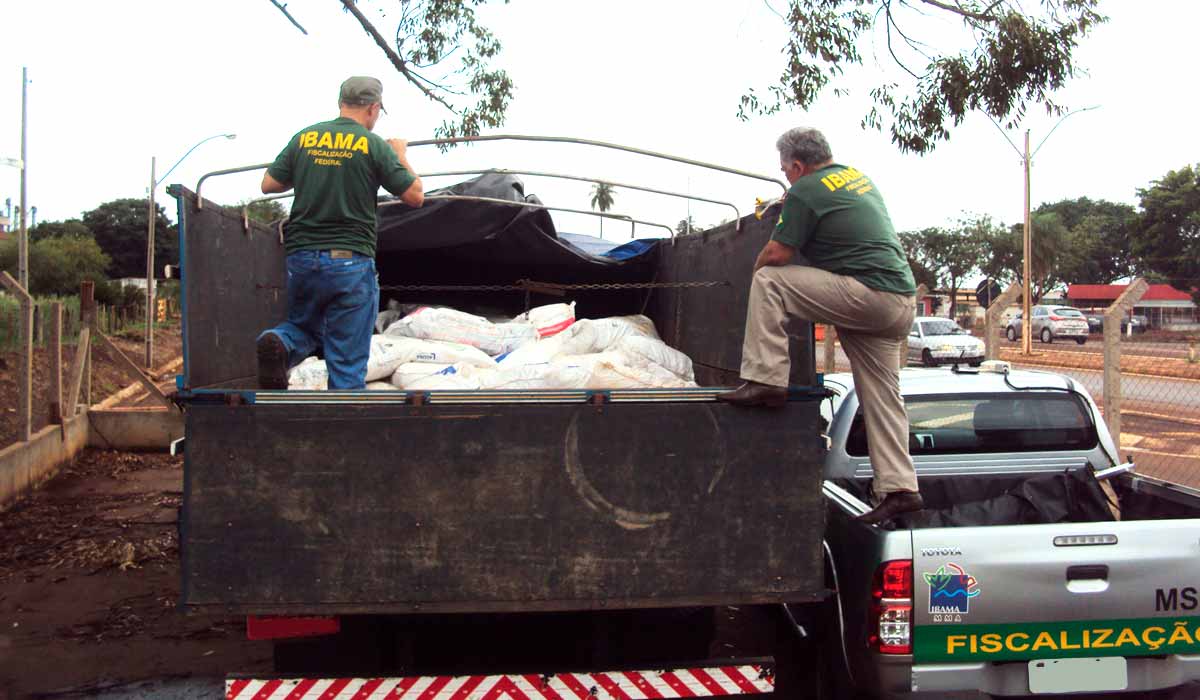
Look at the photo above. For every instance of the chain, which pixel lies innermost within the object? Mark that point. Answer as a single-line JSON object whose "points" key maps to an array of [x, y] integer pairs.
{"points": [[530, 285]]}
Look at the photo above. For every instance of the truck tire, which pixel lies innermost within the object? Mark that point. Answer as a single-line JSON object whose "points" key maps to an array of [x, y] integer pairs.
{"points": [[836, 679]]}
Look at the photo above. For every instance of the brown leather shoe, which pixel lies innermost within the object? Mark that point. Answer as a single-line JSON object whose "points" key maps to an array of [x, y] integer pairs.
{"points": [[755, 394], [893, 504]]}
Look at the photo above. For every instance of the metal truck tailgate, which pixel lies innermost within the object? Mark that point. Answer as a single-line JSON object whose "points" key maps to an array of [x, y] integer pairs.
{"points": [[347, 508], [1056, 591]]}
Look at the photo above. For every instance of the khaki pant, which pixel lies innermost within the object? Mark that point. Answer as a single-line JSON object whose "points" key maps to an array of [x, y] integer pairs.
{"points": [[870, 324]]}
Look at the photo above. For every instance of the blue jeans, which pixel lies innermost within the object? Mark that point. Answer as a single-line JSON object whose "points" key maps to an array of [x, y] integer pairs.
{"points": [[331, 303]]}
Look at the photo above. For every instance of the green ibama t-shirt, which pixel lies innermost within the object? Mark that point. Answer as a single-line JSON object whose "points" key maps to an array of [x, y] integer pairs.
{"points": [[337, 168], [837, 220]]}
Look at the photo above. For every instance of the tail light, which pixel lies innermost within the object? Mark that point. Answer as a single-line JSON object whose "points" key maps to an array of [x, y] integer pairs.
{"points": [[276, 627], [1057, 318], [891, 608]]}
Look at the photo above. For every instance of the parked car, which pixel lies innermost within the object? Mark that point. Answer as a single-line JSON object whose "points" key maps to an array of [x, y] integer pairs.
{"points": [[1051, 322], [934, 340], [1141, 324]]}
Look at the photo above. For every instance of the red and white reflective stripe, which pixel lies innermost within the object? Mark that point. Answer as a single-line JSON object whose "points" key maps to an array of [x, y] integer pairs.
{"points": [[712, 681]]}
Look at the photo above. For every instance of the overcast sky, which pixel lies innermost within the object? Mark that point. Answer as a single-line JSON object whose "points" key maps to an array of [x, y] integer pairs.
{"points": [[116, 83]]}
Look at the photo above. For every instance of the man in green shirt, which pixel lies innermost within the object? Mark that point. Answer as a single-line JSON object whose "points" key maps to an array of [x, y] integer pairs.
{"points": [[337, 168], [855, 277]]}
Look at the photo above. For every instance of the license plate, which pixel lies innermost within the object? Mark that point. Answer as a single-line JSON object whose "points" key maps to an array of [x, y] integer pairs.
{"points": [[1078, 675]]}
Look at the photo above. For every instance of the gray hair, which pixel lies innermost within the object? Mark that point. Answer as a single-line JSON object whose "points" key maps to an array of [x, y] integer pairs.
{"points": [[804, 144]]}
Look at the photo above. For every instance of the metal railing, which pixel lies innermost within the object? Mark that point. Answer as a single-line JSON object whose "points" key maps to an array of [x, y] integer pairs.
{"points": [[519, 137], [737, 215], [532, 205]]}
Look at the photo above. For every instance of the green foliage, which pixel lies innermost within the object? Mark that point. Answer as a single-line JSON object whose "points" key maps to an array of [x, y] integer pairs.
{"points": [[686, 226], [427, 34], [1098, 240], [1167, 234], [71, 228], [119, 227], [948, 255], [602, 199], [263, 211], [1051, 258], [57, 265], [602, 196], [1016, 59]]}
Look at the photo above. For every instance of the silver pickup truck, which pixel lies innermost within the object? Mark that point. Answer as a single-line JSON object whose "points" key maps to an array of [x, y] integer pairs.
{"points": [[1041, 564]]}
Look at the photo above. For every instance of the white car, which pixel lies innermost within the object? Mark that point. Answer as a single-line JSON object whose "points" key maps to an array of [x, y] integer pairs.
{"points": [[939, 341]]}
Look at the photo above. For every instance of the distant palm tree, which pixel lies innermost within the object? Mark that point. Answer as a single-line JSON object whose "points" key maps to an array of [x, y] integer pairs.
{"points": [[602, 199]]}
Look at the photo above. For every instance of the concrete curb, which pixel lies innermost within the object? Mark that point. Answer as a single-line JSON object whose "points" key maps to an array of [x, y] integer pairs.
{"points": [[24, 466]]}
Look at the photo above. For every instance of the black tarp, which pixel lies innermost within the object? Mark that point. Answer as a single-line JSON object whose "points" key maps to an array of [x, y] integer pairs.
{"points": [[487, 232], [974, 501]]}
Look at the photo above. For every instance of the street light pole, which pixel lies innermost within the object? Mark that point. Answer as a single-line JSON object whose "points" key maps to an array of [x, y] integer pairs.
{"points": [[1027, 243], [1027, 238], [151, 220], [150, 216], [23, 235]]}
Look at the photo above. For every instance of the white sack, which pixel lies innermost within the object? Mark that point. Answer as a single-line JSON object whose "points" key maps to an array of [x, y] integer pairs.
{"points": [[410, 373], [592, 335], [453, 378], [619, 370], [656, 352], [562, 373], [549, 320], [451, 325], [311, 375]]}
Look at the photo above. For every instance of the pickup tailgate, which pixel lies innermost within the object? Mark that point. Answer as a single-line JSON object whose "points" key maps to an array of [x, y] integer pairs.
{"points": [[341, 503], [1026, 592]]}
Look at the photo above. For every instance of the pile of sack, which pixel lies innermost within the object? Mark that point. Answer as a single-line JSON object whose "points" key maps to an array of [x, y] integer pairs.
{"points": [[435, 348]]}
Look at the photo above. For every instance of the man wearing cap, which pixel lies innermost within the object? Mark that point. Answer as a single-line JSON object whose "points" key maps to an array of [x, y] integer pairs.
{"points": [[855, 276], [337, 167]]}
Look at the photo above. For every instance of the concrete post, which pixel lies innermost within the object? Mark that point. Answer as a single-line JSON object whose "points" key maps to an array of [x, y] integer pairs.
{"points": [[87, 312], [55, 350], [830, 349], [1112, 355], [922, 290], [995, 314], [25, 371]]}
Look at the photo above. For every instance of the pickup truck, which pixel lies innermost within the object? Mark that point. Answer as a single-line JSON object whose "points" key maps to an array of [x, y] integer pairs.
{"points": [[364, 531], [1018, 579]]}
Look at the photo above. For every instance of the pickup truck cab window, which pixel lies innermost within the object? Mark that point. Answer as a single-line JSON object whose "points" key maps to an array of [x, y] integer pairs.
{"points": [[988, 423]]}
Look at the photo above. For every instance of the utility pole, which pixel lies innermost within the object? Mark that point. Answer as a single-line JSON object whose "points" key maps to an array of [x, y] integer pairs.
{"points": [[150, 271], [23, 234], [1026, 322]]}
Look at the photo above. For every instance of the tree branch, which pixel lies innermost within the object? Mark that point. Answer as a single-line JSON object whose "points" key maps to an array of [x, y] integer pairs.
{"points": [[977, 16], [398, 62], [283, 9]]}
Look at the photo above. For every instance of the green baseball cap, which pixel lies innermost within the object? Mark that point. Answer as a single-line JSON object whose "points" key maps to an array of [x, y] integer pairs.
{"points": [[361, 90]]}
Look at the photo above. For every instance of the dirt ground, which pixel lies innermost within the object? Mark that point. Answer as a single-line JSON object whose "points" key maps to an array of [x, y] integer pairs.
{"points": [[89, 584], [107, 376]]}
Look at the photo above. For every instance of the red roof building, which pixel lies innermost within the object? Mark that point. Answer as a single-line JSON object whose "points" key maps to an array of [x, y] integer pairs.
{"points": [[1165, 306]]}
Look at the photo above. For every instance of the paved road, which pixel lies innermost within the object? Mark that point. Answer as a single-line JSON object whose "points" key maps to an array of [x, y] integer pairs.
{"points": [[1095, 346]]}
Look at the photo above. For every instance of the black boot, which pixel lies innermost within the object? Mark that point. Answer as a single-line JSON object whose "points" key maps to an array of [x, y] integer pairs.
{"points": [[272, 363]]}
